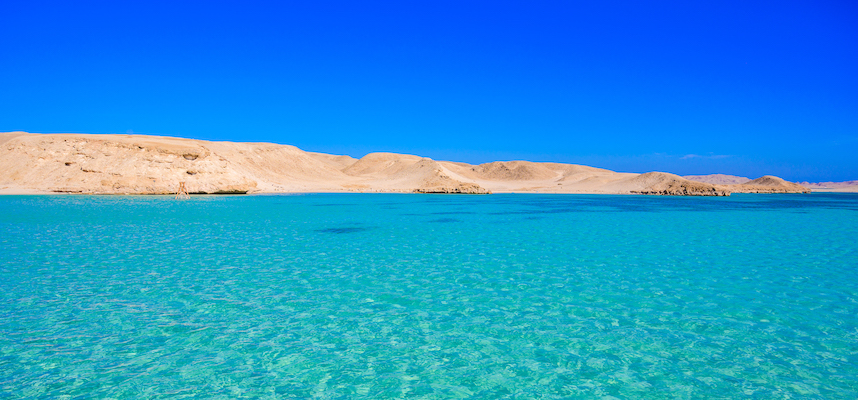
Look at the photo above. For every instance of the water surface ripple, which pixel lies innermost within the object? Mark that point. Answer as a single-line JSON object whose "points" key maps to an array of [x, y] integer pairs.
{"points": [[429, 296]]}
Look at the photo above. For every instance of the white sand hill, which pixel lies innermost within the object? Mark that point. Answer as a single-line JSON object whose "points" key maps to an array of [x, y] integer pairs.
{"points": [[138, 164]]}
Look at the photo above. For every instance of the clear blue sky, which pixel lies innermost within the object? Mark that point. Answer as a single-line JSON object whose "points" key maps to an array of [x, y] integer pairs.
{"points": [[738, 87]]}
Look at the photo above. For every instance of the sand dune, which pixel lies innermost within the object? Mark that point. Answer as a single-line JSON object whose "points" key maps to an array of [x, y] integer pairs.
{"points": [[137, 164]]}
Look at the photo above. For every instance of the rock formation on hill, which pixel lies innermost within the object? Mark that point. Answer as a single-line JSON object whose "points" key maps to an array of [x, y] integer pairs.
{"points": [[136, 164], [670, 184]]}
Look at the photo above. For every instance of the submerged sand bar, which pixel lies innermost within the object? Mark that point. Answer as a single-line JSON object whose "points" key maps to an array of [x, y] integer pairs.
{"points": [[140, 164]]}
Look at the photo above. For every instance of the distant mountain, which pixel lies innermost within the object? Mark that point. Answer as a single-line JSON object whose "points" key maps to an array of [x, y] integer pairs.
{"points": [[721, 179], [718, 179], [768, 184], [846, 186]]}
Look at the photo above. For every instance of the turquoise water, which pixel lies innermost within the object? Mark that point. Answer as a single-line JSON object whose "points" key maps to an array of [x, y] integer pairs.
{"points": [[429, 296]]}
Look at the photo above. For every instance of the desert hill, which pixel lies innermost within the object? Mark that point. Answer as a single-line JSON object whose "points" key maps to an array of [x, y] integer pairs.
{"points": [[718, 179], [769, 184], [775, 183], [512, 171], [139, 164], [669, 184]]}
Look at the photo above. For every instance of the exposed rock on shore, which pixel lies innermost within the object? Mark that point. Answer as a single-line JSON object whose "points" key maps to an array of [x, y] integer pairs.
{"points": [[660, 183], [462, 189]]}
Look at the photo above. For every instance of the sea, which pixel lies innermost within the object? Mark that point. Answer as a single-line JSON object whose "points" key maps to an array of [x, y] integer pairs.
{"points": [[394, 296]]}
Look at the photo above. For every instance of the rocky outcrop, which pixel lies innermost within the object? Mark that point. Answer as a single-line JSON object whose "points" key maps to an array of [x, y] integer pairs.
{"points": [[459, 189], [684, 191], [664, 184]]}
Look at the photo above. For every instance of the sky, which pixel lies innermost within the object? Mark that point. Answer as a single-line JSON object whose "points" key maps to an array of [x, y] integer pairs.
{"points": [[688, 87]]}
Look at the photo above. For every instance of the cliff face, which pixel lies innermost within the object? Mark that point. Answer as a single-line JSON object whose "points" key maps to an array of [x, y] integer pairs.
{"points": [[136, 164], [87, 164]]}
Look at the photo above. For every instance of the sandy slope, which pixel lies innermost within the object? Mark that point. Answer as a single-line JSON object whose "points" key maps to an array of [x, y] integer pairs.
{"points": [[136, 164]]}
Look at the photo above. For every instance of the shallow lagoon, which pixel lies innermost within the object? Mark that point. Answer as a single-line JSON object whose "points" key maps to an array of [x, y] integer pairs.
{"points": [[429, 296]]}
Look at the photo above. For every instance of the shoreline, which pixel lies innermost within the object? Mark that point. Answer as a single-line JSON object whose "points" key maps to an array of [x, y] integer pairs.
{"points": [[153, 165], [34, 192]]}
